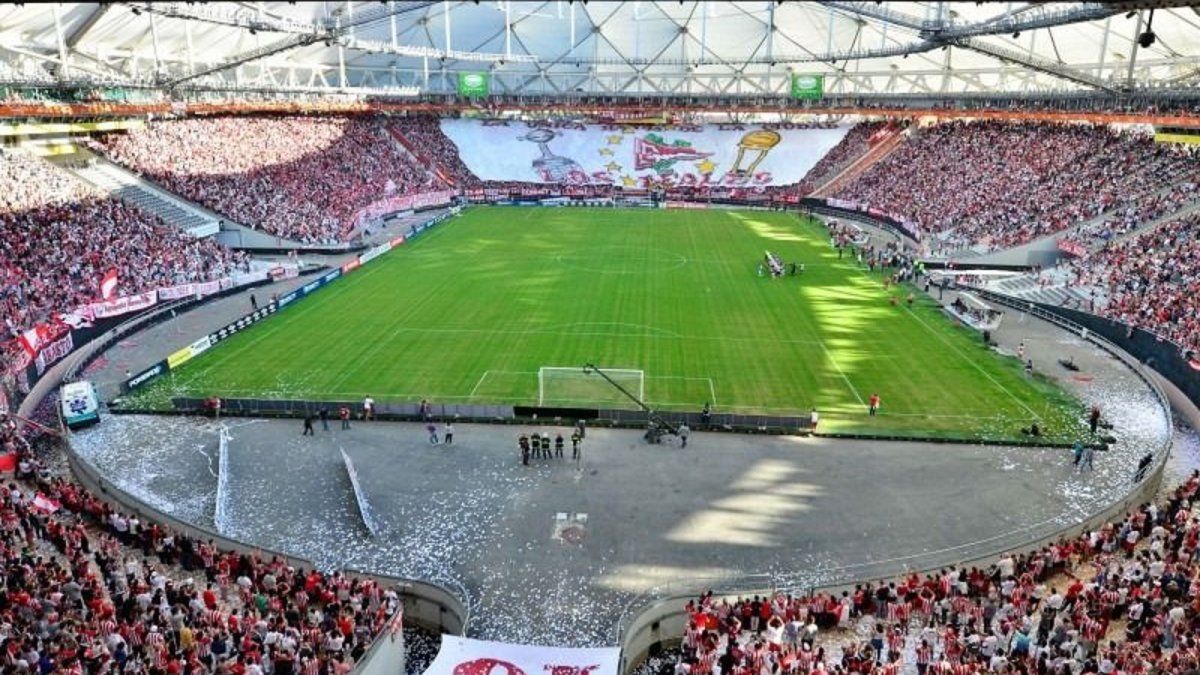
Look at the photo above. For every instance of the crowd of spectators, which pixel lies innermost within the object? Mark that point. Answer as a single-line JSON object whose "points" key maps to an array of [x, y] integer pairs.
{"points": [[59, 237], [991, 185], [1122, 598], [1134, 210], [89, 589], [303, 178], [423, 135], [1150, 281], [853, 145]]}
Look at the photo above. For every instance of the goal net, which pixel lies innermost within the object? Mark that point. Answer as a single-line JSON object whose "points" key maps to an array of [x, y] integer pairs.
{"points": [[574, 387]]}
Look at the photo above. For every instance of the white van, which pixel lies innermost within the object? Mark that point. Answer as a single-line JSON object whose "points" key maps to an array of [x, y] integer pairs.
{"points": [[80, 404]]}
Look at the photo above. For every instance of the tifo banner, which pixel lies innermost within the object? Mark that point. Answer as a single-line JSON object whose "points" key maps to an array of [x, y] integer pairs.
{"points": [[728, 155], [473, 85], [808, 86], [463, 656]]}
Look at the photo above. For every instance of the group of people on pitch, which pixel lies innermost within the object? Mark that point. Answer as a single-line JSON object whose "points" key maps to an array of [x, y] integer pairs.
{"points": [[540, 446]]}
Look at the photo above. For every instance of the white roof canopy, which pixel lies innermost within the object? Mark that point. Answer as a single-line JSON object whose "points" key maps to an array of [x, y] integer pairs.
{"points": [[634, 47]]}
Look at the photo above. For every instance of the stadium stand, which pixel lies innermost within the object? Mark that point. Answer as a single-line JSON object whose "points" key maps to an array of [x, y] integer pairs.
{"points": [[261, 171], [93, 590], [58, 238], [854, 145], [992, 185], [424, 138], [1150, 281], [1117, 599]]}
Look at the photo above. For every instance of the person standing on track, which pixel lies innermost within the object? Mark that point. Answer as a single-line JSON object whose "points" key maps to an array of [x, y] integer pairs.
{"points": [[448, 433], [575, 440], [308, 425], [558, 446], [344, 416], [368, 408], [433, 439]]}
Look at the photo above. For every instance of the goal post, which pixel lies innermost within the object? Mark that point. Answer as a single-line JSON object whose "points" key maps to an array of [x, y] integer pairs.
{"points": [[574, 386]]}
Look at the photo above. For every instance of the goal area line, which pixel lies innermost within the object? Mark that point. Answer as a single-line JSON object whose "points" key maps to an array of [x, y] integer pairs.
{"points": [[563, 384]]}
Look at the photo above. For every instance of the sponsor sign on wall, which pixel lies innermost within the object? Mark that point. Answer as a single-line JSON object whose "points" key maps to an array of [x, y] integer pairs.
{"points": [[473, 85], [808, 86]]}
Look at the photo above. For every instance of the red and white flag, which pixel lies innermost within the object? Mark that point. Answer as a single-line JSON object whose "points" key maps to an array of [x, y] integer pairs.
{"points": [[108, 285], [44, 503]]}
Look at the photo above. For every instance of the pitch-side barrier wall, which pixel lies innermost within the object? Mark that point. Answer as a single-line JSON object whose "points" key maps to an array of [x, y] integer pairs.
{"points": [[657, 619]]}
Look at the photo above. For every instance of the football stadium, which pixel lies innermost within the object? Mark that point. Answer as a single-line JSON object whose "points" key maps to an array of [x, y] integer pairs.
{"points": [[621, 337]]}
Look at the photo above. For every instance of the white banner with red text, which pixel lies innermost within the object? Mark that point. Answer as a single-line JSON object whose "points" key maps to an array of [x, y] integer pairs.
{"points": [[463, 656], [404, 203]]}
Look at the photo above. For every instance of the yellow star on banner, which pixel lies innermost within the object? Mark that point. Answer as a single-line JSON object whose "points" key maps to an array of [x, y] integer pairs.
{"points": [[628, 181], [613, 167], [615, 139], [706, 166], [606, 151]]}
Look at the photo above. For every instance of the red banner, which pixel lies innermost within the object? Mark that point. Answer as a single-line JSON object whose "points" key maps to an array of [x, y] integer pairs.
{"points": [[52, 352], [1072, 247]]}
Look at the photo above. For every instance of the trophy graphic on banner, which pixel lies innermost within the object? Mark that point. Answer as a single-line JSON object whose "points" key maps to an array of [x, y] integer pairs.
{"points": [[758, 142], [551, 167]]}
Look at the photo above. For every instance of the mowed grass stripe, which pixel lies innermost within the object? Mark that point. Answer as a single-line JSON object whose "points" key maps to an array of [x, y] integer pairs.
{"points": [[674, 293]]}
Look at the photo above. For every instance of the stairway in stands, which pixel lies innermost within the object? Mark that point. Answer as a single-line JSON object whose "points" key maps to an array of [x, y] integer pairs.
{"points": [[877, 152], [131, 189], [1057, 292], [419, 157]]}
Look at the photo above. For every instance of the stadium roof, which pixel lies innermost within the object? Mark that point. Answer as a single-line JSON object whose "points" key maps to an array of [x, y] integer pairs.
{"points": [[640, 48]]}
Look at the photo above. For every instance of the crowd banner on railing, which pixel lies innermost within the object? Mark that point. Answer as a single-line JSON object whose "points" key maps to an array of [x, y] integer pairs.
{"points": [[196, 289], [52, 352], [905, 224], [402, 203], [121, 305], [463, 656]]}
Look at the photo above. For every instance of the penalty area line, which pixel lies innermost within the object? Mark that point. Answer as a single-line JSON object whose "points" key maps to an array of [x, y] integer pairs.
{"points": [[476, 387]]}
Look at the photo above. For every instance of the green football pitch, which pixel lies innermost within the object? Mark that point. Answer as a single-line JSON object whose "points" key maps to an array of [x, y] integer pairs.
{"points": [[476, 310]]}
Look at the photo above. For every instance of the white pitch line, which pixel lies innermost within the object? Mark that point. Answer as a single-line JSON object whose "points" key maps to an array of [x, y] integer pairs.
{"points": [[476, 387], [841, 372], [971, 361], [712, 390]]}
